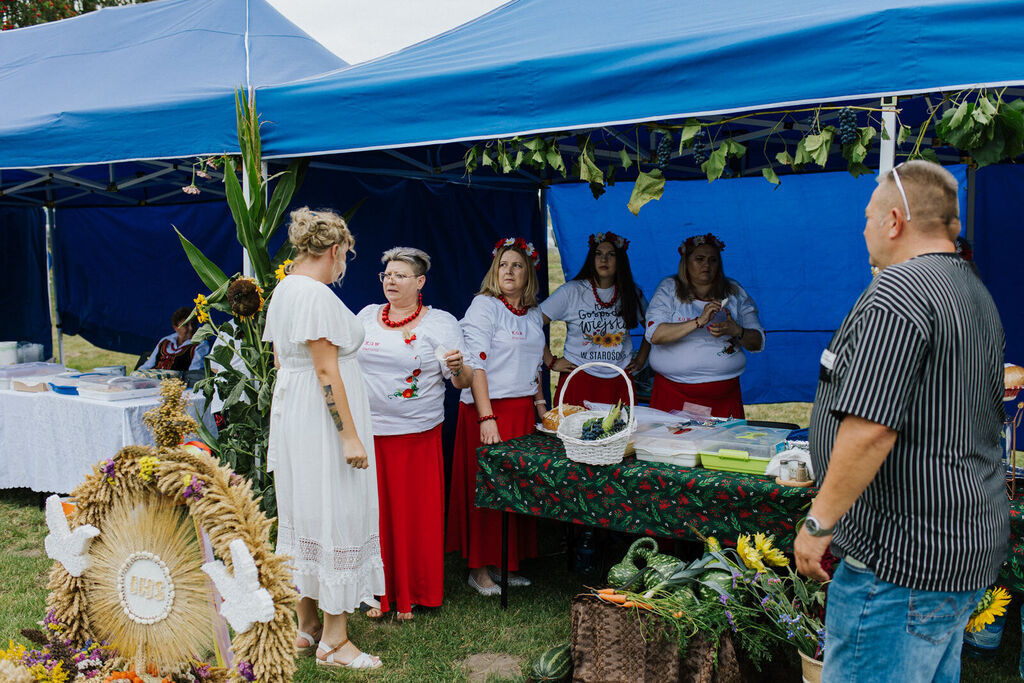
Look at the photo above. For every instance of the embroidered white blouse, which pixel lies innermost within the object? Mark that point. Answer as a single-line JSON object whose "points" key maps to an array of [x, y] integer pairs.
{"points": [[508, 347], [405, 373]]}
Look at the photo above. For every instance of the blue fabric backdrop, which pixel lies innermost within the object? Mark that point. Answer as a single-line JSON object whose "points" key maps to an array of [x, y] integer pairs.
{"points": [[119, 278], [23, 298], [998, 245], [797, 249]]}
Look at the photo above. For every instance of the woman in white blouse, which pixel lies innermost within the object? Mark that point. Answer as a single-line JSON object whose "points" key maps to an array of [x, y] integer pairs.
{"points": [[408, 352], [600, 306], [699, 323], [504, 342]]}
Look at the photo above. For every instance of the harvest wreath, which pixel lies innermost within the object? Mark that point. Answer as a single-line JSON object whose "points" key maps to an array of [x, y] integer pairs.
{"points": [[141, 586]]}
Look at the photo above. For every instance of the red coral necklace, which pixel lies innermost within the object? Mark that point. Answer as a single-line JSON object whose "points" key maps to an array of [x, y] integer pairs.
{"points": [[517, 311], [615, 296], [399, 323]]}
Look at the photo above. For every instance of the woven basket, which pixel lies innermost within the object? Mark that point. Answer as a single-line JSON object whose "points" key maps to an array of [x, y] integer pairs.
{"points": [[606, 451], [612, 644]]}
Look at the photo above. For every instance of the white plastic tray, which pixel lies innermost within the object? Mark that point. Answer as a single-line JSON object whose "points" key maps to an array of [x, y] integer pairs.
{"points": [[88, 392]]}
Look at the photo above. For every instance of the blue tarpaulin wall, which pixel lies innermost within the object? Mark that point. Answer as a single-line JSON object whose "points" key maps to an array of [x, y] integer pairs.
{"points": [[998, 246], [23, 298], [797, 249], [119, 278]]}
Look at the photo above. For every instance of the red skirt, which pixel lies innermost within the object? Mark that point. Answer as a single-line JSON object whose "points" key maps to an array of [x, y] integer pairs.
{"points": [[410, 486], [724, 397], [477, 531], [585, 387]]}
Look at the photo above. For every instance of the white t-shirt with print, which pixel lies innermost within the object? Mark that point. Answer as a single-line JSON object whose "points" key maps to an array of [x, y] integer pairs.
{"points": [[508, 347], [404, 377], [698, 357], [593, 333]]}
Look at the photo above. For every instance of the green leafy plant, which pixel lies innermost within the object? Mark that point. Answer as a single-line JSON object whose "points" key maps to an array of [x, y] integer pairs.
{"points": [[244, 364], [979, 123]]}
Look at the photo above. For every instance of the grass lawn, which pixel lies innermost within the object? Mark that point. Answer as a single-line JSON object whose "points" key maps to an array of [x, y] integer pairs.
{"points": [[431, 648]]}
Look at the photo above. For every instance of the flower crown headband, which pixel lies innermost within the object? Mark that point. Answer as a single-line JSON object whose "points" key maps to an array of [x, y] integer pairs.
{"points": [[619, 241], [518, 243], [691, 243]]}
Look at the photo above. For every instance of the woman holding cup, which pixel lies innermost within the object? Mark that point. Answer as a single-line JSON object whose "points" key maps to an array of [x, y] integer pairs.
{"points": [[408, 352]]}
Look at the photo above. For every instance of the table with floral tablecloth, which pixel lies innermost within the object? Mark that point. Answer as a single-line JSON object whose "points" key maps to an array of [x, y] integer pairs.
{"points": [[531, 475], [1012, 575]]}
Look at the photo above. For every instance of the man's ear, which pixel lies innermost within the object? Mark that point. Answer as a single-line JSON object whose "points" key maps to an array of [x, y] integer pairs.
{"points": [[897, 223]]}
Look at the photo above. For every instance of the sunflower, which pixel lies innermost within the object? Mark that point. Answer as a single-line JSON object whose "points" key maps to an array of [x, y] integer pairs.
{"points": [[993, 604], [245, 297], [202, 308], [282, 269], [770, 553], [749, 553]]}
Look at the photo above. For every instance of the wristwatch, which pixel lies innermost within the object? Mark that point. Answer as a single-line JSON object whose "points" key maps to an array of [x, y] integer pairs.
{"points": [[814, 528]]}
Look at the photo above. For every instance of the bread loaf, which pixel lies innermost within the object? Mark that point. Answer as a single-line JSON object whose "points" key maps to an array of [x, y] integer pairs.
{"points": [[1013, 376], [551, 418]]}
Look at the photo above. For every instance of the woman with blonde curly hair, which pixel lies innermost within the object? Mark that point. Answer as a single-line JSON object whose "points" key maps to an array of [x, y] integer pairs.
{"points": [[321, 443], [505, 345]]}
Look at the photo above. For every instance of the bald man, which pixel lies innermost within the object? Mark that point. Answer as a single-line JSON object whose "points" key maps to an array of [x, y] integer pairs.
{"points": [[905, 443]]}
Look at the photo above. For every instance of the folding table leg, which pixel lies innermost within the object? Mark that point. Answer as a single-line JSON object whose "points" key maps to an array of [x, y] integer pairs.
{"points": [[504, 559]]}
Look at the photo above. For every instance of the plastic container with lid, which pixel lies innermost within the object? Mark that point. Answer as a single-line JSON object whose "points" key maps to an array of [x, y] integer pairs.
{"points": [[674, 444], [26, 370], [743, 448]]}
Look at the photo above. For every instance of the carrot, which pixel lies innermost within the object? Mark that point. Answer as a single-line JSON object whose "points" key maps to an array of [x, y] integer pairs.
{"points": [[606, 591], [677, 615], [629, 603], [615, 598]]}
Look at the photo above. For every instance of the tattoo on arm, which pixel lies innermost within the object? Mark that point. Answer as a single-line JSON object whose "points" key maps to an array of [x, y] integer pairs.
{"points": [[332, 408]]}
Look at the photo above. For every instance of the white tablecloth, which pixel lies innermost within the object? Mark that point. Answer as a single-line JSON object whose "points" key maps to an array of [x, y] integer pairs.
{"points": [[49, 442]]}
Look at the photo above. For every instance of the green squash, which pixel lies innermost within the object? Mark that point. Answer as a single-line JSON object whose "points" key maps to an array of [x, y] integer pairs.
{"points": [[554, 664], [634, 560]]}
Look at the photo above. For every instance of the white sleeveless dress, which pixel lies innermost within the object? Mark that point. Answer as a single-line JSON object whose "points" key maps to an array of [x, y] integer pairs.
{"points": [[327, 510]]}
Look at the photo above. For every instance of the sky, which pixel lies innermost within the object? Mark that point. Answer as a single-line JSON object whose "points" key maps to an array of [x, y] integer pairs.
{"points": [[358, 30]]}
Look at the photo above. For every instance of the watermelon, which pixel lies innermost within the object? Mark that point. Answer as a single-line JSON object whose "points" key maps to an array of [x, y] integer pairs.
{"points": [[554, 664]]}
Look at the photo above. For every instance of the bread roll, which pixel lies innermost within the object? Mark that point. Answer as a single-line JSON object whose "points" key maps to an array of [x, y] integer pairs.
{"points": [[551, 418], [1013, 376]]}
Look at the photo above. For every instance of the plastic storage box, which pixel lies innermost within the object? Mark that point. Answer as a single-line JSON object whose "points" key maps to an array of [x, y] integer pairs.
{"points": [[743, 449], [678, 444], [9, 373]]}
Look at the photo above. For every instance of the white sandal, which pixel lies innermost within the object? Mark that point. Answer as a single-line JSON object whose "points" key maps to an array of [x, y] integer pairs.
{"points": [[310, 649], [362, 661]]}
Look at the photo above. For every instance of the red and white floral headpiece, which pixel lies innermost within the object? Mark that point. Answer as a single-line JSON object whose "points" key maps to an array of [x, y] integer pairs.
{"points": [[619, 241], [519, 243], [691, 243]]}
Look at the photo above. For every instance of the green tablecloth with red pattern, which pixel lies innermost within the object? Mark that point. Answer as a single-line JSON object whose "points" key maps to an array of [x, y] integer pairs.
{"points": [[532, 476], [1012, 575]]}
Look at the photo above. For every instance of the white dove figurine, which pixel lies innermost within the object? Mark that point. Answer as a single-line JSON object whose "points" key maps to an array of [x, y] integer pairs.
{"points": [[70, 548], [245, 600]]}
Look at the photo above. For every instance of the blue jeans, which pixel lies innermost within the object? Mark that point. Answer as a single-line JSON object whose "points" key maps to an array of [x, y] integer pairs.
{"points": [[878, 631]]}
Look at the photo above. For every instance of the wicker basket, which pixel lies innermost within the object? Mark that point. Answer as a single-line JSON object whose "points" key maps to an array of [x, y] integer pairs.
{"points": [[606, 451]]}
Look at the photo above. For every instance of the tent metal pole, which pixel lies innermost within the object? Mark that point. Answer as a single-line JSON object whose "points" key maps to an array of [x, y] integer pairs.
{"points": [[887, 151], [247, 269], [972, 187], [51, 276]]}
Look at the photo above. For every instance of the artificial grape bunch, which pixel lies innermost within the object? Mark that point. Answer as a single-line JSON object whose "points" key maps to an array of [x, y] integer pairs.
{"points": [[700, 147], [599, 427], [848, 126], [664, 152]]}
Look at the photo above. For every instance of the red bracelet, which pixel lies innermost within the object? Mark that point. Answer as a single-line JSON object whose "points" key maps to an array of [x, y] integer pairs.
{"points": [[552, 363], [485, 418], [697, 320]]}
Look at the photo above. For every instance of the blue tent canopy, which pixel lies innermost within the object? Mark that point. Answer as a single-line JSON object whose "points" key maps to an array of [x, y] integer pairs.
{"points": [[534, 66], [147, 81]]}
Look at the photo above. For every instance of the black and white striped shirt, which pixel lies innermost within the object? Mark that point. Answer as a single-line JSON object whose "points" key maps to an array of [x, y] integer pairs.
{"points": [[921, 352]]}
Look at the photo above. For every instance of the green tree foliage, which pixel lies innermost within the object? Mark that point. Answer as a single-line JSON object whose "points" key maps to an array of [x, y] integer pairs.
{"points": [[19, 13]]}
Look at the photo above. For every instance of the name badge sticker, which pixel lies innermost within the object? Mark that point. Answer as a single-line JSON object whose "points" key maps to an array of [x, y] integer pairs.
{"points": [[828, 361]]}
